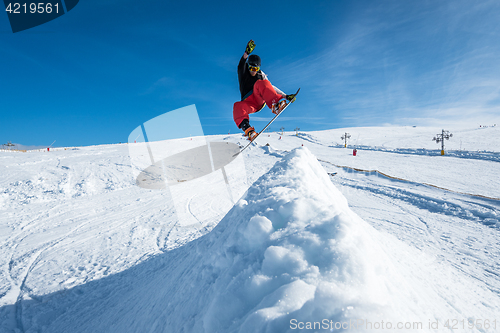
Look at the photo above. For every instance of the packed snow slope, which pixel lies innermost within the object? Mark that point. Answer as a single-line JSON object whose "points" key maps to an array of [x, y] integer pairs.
{"points": [[314, 243], [291, 249]]}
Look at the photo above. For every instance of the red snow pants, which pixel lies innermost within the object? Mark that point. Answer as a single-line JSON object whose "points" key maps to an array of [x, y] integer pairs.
{"points": [[263, 92]]}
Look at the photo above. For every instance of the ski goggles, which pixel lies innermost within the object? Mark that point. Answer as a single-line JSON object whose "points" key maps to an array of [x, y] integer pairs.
{"points": [[252, 68]]}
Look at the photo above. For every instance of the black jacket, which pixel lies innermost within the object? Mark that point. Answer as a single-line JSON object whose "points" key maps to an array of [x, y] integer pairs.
{"points": [[246, 80]]}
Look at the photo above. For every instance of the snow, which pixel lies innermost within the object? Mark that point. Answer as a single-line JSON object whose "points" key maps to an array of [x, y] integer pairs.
{"points": [[397, 238]]}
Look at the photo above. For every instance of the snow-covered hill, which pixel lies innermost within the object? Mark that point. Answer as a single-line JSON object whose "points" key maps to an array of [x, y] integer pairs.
{"points": [[315, 240]]}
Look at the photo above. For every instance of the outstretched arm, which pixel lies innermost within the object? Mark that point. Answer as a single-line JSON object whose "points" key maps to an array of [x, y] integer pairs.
{"points": [[248, 50]]}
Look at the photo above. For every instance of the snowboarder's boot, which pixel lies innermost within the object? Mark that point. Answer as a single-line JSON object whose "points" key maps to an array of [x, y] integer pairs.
{"points": [[279, 106], [250, 133]]}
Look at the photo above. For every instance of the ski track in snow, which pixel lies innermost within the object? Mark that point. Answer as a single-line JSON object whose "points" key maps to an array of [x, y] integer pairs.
{"points": [[484, 211], [426, 216], [71, 217], [50, 210]]}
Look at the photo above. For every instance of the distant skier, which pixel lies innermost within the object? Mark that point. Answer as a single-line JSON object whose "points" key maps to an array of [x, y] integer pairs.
{"points": [[256, 92]]}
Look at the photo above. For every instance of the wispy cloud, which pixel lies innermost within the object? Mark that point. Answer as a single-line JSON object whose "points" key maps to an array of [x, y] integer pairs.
{"points": [[409, 61]]}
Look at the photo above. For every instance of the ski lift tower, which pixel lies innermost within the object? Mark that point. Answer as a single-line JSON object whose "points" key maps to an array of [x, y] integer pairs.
{"points": [[445, 135], [345, 137], [9, 144]]}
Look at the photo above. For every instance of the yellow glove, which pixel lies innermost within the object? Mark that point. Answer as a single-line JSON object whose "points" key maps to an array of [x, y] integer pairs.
{"points": [[250, 47]]}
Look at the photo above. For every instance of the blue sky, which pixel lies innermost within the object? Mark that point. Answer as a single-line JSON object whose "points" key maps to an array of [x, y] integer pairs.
{"points": [[96, 73]]}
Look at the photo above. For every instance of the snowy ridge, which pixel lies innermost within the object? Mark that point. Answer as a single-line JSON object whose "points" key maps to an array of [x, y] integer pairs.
{"points": [[290, 250]]}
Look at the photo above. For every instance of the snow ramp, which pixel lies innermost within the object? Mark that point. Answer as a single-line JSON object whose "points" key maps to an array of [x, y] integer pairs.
{"points": [[290, 255]]}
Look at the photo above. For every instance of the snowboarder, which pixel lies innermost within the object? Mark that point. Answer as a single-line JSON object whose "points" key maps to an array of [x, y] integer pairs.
{"points": [[256, 92]]}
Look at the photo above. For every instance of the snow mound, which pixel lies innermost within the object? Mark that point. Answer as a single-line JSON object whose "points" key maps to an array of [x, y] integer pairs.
{"points": [[293, 253], [290, 253]]}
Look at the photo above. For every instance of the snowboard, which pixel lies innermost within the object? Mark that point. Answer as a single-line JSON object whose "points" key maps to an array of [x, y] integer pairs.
{"points": [[269, 123]]}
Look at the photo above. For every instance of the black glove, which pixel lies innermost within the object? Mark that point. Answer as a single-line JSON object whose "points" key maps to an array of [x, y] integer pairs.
{"points": [[290, 98], [250, 47]]}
